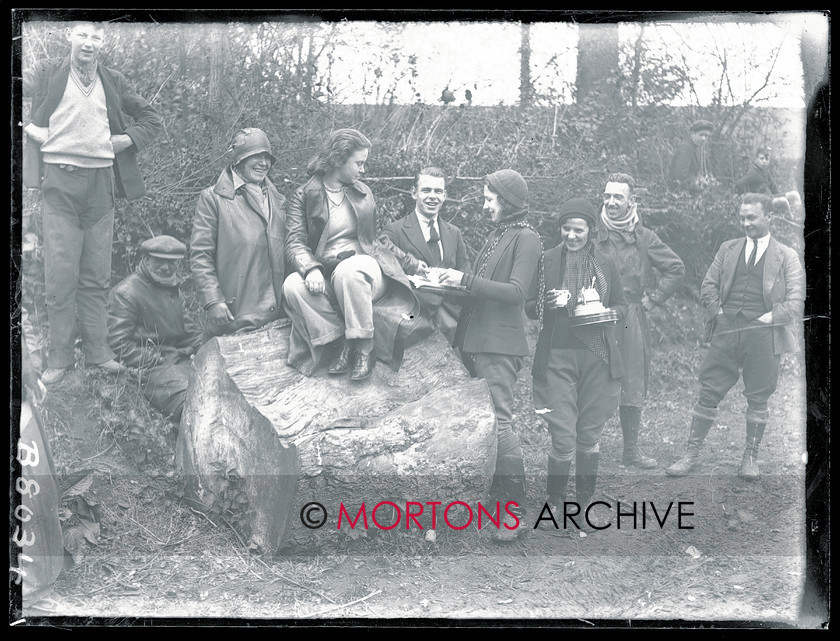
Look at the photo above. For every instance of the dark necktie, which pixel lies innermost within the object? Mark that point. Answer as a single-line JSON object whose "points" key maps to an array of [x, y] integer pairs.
{"points": [[434, 244], [751, 262]]}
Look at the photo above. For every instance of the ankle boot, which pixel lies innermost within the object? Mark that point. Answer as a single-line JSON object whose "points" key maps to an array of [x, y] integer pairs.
{"points": [[631, 419], [691, 459], [749, 462]]}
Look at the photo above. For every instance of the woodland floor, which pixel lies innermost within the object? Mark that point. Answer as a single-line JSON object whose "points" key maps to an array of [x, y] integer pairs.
{"points": [[156, 556]]}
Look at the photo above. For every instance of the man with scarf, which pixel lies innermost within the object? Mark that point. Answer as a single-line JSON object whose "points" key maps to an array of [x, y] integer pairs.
{"points": [[577, 367], [636, 251], [147, 329], [491, 327]]}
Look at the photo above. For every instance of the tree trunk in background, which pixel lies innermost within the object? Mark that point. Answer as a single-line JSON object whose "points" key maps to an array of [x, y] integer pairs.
{"points": [[215, 39], [598, 71], [526, 89], [425, 433]]}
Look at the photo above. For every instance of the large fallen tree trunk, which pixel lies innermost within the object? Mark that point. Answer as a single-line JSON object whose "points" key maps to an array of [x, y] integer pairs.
{"points": [[259, 440]]}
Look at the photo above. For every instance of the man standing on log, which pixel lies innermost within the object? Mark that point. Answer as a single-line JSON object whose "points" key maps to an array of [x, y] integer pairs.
{"points": [[81, 153], [148, 329], [427, 237], [754, 293], [636, 251], [491, 328]]}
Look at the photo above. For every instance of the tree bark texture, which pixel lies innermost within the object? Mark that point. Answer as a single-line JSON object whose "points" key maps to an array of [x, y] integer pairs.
{"points": [[425, 433], [598, 68]]}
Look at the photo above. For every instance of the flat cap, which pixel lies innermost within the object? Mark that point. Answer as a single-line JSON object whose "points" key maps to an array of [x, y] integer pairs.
{"points": [[164, 247], [701, 125]]}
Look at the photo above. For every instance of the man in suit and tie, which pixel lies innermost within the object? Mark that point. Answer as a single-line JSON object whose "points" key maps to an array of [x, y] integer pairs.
{"points": [[754, 293], [427, 237]]}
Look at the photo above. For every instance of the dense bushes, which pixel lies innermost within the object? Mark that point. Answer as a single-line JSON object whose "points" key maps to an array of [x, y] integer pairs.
{"points": [[563, 152]]}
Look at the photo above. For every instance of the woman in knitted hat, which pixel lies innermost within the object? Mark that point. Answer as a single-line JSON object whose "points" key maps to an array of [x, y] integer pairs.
{"points": [[237, 244], [491, 328], [348, 293], [577, 368]]}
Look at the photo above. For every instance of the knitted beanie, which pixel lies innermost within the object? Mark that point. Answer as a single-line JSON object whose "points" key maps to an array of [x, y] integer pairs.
{"points": [[511, 186], [578, 208]]}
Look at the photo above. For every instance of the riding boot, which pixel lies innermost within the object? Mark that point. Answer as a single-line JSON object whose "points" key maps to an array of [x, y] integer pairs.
{"points": [[556, 483], [749, 462], [631, 420], [510, 472], [586, 477], [691, 459]]}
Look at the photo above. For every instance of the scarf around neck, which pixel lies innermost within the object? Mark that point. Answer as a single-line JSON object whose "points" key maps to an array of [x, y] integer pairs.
{"points": [[517, 221], [625, 223], [579, 270]]}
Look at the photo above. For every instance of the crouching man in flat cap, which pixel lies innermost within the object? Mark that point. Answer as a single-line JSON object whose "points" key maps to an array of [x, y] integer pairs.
{"points": [[147, 329]]}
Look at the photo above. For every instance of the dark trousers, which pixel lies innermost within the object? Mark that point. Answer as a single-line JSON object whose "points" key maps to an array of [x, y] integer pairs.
{"points": [[740, 348]]}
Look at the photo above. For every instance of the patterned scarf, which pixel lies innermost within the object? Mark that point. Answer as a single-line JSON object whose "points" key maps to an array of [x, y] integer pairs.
{"points": [[518, 221], [579, 269]]}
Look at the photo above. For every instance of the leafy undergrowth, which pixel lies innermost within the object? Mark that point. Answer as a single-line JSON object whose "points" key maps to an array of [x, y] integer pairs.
{"points": [[143, 550]]}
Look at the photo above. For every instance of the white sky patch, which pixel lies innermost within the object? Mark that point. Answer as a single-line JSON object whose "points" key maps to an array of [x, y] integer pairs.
{"points": [[379, 62]]}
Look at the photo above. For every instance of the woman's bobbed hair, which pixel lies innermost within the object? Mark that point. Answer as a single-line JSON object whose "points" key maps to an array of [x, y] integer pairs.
{"points": [[341, 144]]}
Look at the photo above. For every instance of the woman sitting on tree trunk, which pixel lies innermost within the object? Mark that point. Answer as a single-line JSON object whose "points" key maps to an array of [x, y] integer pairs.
{"points": [[348, 292]]}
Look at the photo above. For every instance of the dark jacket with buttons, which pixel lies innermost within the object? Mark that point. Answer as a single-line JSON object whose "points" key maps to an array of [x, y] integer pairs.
{"points": [[493, 321]]}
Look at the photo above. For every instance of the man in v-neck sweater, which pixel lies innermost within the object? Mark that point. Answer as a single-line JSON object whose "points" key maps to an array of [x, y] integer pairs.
{"points": [[81, 154]]}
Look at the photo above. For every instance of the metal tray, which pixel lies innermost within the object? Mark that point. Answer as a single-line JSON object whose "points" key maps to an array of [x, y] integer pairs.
{"points": [[607, 316]]}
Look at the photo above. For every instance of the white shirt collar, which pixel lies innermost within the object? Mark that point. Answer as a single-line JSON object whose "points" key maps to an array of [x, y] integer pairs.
{"points": [[763, 243], [424, 224]]}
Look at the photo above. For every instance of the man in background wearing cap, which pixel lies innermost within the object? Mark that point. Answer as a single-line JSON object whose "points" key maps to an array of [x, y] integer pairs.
{"points": [[637, 251], [491, 327], [147, 328], [81, 153], [758, 179], [754, 294], [690, 165], [427, 237]]}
